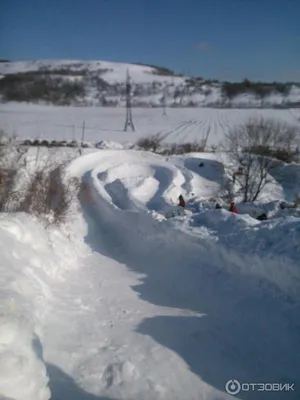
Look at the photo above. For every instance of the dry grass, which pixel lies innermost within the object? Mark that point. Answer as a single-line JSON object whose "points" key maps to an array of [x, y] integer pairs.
{"points": [[154, 144]]}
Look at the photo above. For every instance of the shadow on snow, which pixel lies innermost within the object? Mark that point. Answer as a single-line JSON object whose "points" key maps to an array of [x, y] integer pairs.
{"points": [[243, 332], [63, 387]]}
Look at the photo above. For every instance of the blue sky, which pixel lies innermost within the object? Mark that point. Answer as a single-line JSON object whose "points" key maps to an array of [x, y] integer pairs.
{"points": [[223, 39]]}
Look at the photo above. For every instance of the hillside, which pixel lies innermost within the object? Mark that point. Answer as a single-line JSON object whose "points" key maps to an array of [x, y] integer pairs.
{"points": [[101, 83]]}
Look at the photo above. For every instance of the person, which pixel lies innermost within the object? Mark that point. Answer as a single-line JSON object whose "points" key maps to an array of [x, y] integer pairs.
{"points": [[218, 207], [181, 201], [233, 208]]}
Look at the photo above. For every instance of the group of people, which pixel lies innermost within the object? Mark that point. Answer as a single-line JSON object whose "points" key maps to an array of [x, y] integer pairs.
{"points": [[232, 207]]}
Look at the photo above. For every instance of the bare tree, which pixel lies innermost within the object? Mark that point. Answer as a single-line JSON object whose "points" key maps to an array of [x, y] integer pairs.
{"points": [[251, 147], [151, 143]]}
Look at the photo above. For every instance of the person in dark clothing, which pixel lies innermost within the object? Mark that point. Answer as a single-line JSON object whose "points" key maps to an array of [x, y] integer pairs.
{"points": [[181, 201], [218, 207], [262, 217], [233, 208]]}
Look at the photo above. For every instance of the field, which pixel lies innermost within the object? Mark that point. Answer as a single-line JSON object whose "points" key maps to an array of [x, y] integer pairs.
{"points": [[179, 125]]}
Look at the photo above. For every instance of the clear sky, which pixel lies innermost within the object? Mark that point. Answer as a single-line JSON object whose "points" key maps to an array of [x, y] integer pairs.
{"points": [[223, 39]]}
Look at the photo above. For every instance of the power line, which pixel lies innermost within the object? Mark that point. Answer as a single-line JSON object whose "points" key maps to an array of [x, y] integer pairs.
{"points": [[128, 122]]}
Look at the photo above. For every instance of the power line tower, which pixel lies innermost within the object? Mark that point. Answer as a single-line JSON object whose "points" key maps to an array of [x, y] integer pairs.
{"points": [[128, 122], [164, 101]]}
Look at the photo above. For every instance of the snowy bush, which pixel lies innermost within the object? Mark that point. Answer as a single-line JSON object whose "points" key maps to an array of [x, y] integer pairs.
{"points": [[183, 148], [151, 143], [41, 191], [154, 144], [252, 148]]}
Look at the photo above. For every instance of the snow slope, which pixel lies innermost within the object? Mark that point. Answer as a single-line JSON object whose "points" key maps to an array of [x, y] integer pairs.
{"points": [[112, 72], [104, 84], [180, 125], [155, 308]]}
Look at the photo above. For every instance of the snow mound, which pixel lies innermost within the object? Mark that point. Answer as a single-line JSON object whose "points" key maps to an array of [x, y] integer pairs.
{"points": [[30, 261], [129, 187], [105, 144]]}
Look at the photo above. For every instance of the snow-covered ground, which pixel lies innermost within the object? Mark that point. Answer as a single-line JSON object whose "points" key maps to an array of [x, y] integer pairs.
{"points": [[104, 83], [125, 304], [179, 125]]}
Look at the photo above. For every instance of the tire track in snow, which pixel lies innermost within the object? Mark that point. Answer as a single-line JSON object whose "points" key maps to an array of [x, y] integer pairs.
{"points": [[169, 131], [180, 134], [177, 132], [193, 127]]}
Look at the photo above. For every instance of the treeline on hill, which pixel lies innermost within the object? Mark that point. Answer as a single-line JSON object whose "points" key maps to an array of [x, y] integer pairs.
{"points": [[259, 89], [70, 86], [35, 87]]}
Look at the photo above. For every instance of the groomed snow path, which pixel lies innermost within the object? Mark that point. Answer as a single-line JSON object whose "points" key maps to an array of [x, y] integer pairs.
{"points": [[156, 312]]}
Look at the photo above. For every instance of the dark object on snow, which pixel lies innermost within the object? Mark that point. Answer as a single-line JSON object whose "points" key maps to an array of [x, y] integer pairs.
{"points": [[201, 164], [283, 205], [181, 201], [262, 217], [233, 208], [218, 207]]}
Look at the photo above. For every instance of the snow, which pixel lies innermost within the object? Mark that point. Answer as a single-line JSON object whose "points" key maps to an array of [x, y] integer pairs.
{"points": [[149, 82], [107, 124], [116, 72], [126, 304], [29, 264]]}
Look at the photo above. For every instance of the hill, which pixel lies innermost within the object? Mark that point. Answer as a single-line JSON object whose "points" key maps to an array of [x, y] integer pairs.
{"points": [[102, 83]]}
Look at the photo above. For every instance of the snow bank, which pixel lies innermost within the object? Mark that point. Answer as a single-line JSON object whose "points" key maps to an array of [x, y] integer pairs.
{"points": [[30, 260], [268, 249], [106, 144], [126, 184]]}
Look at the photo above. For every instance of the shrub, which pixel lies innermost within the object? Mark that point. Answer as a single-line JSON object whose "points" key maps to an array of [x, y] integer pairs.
{"points": [[252, 147], [259, 89], [184, 148], [27, 142], [48, 196], [10, 157], [151, 143], [45, 193]]}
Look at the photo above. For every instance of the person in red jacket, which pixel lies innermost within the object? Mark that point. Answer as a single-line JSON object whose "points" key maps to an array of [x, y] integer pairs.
{"points": [[233, 208], [181, 201]]}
